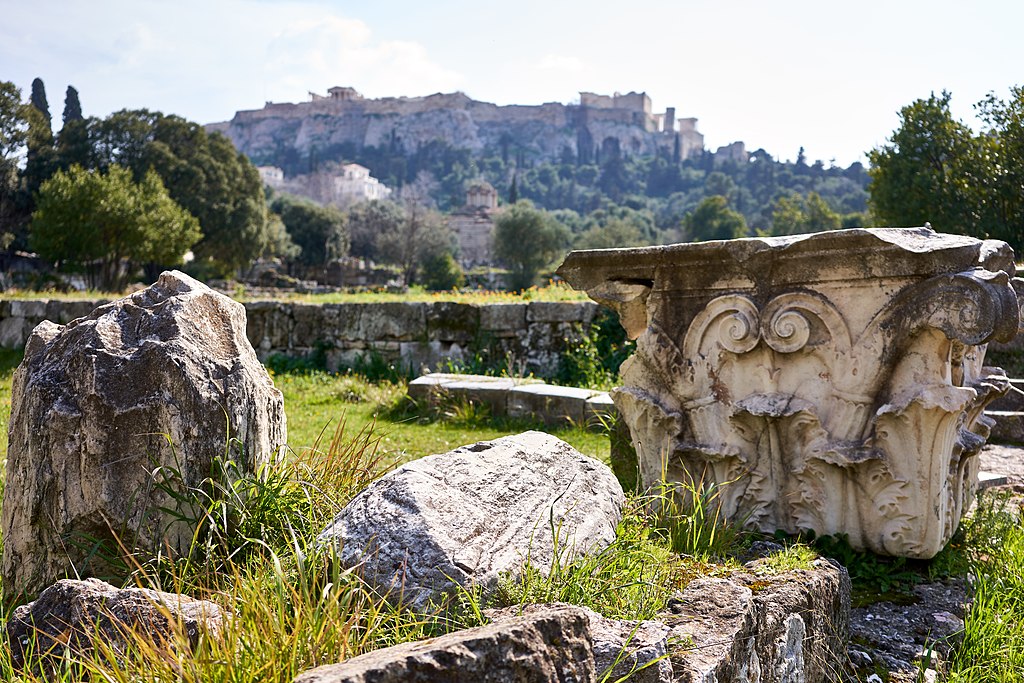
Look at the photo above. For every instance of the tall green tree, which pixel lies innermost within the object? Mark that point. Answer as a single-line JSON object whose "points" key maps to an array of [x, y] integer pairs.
{"points": [[73, 143], [1002, 149], [41, 156], [13, 134], [209, 178], [714, 220], [320, 232], [72, 107], [527, 239], [38, 100], [931, 170], [108, 225]]}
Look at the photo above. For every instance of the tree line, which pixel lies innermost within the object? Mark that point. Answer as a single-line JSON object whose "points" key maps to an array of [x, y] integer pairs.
{"points": [[137, 190], [133, 190], [936, 169]]}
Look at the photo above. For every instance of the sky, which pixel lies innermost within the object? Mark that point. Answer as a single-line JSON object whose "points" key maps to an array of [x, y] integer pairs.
{"points": [[778, 75]]}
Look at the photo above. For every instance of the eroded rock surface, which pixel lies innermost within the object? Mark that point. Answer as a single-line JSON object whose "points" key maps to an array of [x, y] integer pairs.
{"points": [[552, 645], [466, 516], [783, 628], [622, 648], [116, 414], [71, 615]]}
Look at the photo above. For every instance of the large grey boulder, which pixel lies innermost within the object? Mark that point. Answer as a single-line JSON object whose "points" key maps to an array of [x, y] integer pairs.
{"points": [[72, 615], [547, 646], [467, 516], [116, 415]]}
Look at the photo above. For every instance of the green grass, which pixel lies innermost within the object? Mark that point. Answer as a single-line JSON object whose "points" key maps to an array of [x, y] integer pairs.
{"points": [[551, 292], [8, 363], [316, 402], [993, 645], [295, 610]]}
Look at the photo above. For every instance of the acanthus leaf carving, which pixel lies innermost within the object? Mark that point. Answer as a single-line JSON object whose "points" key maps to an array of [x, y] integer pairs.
{"points": [[832, 382]]}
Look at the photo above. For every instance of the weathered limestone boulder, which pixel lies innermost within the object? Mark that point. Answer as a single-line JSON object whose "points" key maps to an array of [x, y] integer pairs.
{"points": [[832, 382], [118, 413], [466, 516], [637, 651], [72, 615], [546, 646], [784, 628]]}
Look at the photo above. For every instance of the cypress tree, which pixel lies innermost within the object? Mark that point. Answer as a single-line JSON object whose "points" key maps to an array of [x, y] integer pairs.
{"points": [[72, 107], [73, 145], [38, 100]]}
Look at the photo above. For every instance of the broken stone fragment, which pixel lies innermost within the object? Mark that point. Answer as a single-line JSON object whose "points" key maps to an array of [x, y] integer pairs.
{"points": [[71, 616], [552, 645], [466, 517], [116, 417]]}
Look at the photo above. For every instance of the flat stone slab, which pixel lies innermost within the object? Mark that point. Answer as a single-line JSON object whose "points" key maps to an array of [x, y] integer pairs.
{"points": [[1003, 461], [1009, 426], [519, 397], [553, 405]]}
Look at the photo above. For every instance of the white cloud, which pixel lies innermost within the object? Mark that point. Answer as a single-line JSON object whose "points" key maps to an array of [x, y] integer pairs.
{"points": [[315, 55]]}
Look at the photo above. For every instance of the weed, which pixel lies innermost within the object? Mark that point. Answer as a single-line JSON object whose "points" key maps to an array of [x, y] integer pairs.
{"points": [[794, 556], [630, 579], [691, 516], [592, 361]]}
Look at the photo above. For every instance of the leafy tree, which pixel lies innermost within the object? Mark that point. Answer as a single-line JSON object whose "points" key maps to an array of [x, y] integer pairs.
{"points": [[320, 232], [13, 134], [929, 171], [278, 243], [714, 220], [39, 162], [1002, 146], [367, 221], [209, 178], [440, 272], [795, 215], [109, 224], [527, 239]]}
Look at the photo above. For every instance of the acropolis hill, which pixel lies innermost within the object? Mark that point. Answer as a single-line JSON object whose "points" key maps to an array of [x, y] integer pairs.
{"points": [[344, 120]]}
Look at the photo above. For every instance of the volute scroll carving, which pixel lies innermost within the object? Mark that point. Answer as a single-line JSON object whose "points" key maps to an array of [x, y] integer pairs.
{"points": [[832, 382]]}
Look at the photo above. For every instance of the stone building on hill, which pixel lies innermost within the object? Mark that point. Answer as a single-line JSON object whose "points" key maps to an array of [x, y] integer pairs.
{"points": [[344, 120], [473, 225]]}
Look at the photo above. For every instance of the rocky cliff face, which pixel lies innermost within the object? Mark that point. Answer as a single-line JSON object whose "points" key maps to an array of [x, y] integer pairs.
{"points": [[541, 132]]}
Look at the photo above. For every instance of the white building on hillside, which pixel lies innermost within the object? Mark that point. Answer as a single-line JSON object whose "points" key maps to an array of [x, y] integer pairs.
{"points": [[355, 184]]}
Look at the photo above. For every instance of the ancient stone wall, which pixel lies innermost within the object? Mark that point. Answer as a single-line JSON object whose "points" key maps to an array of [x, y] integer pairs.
{"points": [[417, 335]]}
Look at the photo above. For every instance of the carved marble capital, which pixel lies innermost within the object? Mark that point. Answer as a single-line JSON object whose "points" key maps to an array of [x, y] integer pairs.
{"points": [[830, 382]]}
